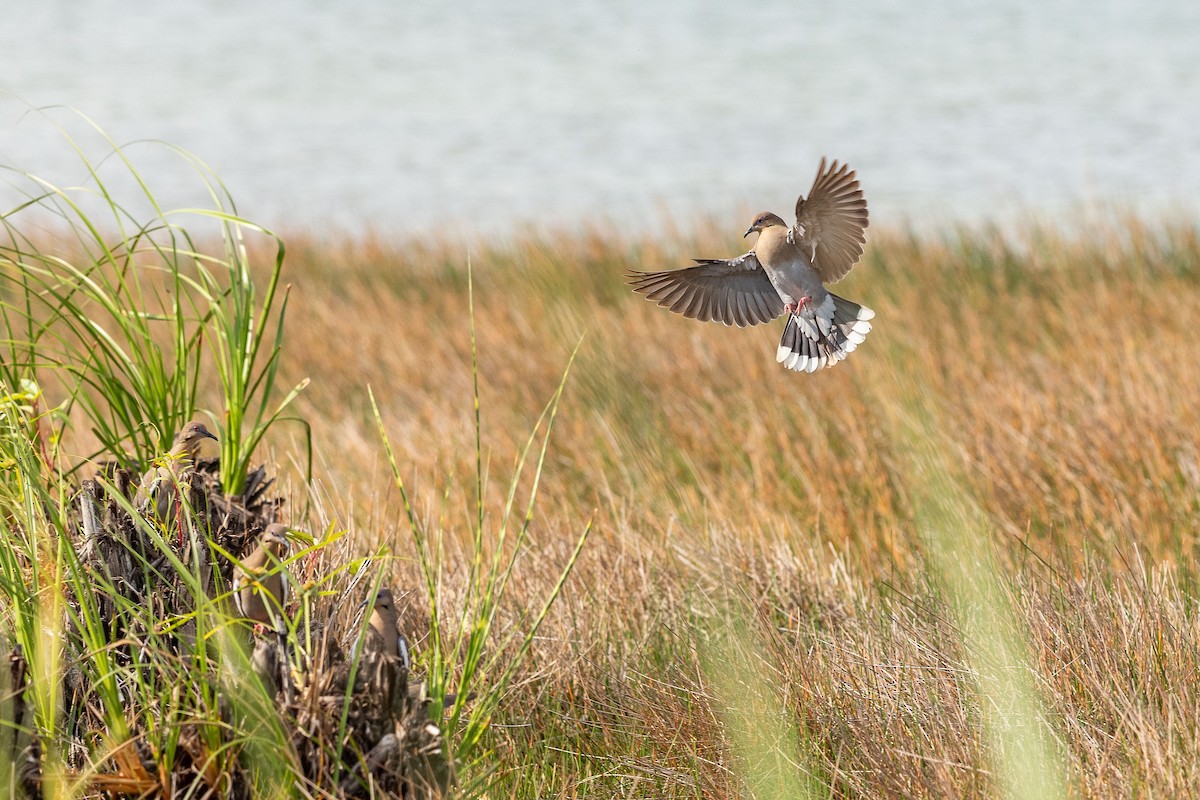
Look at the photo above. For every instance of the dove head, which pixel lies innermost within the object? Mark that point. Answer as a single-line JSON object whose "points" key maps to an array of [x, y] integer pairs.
{"points": [[187, 441], [274, 539], [384, 601], [763, 221]]}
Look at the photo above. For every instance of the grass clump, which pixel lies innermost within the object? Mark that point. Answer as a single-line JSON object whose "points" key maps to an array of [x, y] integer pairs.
{"points": [[131, 674]]}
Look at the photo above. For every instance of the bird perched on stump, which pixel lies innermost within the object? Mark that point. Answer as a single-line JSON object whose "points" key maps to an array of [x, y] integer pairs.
{"points": [[158, 491], [383, 661], [382, 636], [786, 272], [260, 584]]}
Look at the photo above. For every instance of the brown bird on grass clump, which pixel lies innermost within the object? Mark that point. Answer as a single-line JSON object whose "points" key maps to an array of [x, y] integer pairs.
{"points": [[383, 659], [158, 491], [260, 589], [260, 581], [786, 272], [383, 635]]}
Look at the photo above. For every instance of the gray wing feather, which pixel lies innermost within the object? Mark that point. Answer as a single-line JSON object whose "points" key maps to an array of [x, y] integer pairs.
{"points": [[734, 291]]}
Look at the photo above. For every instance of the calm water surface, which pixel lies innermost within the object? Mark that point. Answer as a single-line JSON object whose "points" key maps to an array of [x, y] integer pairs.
{"points": [[412, 116]]}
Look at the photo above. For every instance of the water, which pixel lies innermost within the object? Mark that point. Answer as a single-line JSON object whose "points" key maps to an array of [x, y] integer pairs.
{"points": [[412, 117]]}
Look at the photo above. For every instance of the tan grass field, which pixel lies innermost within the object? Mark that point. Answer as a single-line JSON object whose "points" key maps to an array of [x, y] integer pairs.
{"points": [[1022, 417]]}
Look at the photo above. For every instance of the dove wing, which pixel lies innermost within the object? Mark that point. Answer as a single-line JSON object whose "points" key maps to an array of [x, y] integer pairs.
{"points": [[734, 291], [831, 222]]}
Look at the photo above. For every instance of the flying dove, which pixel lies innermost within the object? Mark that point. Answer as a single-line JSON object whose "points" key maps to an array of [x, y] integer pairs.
{"points": [[260, 584], [786, 272], [158, 491]]}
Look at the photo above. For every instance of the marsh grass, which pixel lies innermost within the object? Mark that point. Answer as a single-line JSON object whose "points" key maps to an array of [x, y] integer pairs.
{"points": [[966, 554], [963, 559]]}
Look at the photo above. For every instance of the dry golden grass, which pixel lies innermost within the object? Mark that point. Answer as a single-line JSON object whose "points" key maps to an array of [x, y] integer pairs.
{"points": [[1058, 370], [1064, 369]]}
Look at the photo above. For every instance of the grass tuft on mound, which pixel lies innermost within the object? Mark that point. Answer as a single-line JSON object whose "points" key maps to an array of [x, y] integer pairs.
{"points": [[130, 671]]}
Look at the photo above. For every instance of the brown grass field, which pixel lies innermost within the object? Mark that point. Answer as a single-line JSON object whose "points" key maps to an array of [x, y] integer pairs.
{"points": [[961, 564]]}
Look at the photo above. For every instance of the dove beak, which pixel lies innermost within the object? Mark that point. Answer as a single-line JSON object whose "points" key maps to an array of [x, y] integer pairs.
{"points": [[210, 435], [749, 231]]}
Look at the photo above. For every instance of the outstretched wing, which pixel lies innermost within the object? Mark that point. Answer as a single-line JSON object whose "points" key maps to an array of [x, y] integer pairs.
{"points": [[735, 291], [831, 221]]}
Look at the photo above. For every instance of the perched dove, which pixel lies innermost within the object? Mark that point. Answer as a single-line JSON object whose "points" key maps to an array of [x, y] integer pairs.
{"points": [[158, 492], [382, 635], [786, 272], [260, 584], [383, 671]]}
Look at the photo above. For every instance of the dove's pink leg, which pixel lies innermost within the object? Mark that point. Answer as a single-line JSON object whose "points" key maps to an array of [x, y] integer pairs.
{"points": [[798, 306]]}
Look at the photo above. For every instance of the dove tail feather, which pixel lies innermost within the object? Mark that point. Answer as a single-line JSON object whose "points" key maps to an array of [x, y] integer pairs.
{"points": [[806, 347]]}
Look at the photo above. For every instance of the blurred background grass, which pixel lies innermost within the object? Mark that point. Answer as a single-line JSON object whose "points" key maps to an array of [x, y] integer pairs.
{"points": [[1063, 366]]}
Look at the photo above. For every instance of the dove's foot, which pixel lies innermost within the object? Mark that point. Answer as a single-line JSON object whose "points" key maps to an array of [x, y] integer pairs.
{"points": [[798, 306]]}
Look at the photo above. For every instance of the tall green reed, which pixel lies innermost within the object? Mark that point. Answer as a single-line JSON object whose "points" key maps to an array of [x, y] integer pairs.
{"points": [[771, 756], [127, 307]]}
